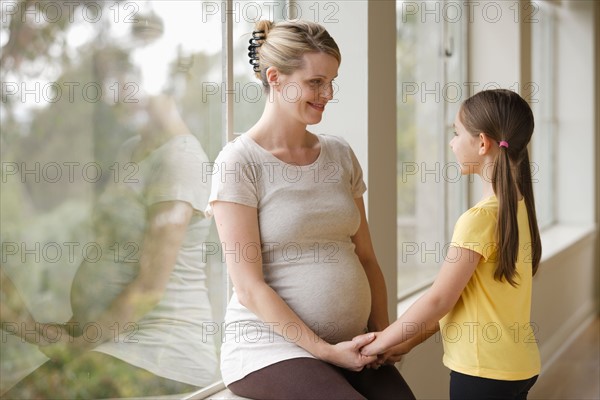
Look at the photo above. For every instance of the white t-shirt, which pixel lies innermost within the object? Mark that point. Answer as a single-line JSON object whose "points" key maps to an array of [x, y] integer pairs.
{"points": [[169, 340], [307, 216]]}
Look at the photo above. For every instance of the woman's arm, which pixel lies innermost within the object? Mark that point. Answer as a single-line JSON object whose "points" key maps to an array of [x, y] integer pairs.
{"points": [[237, 226], [378, 319], [166, 228], [423, 316]]}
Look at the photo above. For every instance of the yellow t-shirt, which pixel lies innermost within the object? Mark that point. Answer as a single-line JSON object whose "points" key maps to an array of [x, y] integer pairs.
{"points": [[488, 333]]}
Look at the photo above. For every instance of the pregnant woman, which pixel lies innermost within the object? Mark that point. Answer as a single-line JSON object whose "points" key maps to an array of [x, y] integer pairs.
{"points": [[289, 212]]}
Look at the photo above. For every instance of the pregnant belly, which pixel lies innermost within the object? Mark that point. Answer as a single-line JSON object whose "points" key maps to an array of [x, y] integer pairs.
{"points": [[332, 299]]}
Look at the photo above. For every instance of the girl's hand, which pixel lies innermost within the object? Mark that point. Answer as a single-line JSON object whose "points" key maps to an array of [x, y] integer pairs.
{"points": [[372, 347], [393, 355], [347, 354]]}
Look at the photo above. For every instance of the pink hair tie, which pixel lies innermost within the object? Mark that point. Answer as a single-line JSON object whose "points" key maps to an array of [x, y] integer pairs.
{"points": [[503, 144]]}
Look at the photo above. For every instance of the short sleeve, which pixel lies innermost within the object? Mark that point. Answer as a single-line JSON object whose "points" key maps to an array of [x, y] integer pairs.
{"points": [[231, 179], [476, 230], [177, 174], [358, 184]]}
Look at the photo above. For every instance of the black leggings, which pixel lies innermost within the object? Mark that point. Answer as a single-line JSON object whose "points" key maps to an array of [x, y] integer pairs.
{"points": [[465, 387], [312, 379]]}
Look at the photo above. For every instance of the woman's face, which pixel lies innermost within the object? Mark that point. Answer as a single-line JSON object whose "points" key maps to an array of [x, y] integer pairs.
{"points": [[305, 93]]}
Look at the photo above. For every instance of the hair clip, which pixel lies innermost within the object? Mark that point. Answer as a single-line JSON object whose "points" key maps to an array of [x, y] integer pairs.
{"points": [[503, 144], [258, 34], [254, 44], [255, 64]]}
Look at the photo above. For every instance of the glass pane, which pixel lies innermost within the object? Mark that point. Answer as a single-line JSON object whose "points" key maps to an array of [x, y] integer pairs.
{"points": [[249, 96], [431, 193], [420, 134], [456, 91], [107, 123], [542, 103]]}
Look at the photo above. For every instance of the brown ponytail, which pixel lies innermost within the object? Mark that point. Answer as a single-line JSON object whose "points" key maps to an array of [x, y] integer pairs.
{"points": [[507, 229], [525, 185], [504, 116]]}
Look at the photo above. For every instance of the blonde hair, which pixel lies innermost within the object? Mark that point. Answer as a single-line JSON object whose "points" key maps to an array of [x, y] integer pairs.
{"points": [[283, 44]]}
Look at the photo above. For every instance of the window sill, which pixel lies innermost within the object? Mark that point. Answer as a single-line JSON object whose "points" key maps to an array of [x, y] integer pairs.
{"points": [[560, 237], [209, 392], [218, 391]]}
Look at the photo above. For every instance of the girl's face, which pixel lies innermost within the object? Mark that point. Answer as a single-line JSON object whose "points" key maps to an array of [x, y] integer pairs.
{"points": [[466, 148], [305, 93]]}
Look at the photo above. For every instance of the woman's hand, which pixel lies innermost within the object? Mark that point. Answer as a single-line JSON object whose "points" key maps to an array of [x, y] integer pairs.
{"points": [[347, 354]]}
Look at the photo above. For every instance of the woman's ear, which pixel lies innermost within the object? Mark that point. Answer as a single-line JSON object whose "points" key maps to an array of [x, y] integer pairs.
{"points": [[485, 144], [273, 77]]}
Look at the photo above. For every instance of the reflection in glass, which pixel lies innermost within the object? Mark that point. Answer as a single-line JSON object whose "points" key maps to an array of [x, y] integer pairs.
{"points": [[106, 135]]}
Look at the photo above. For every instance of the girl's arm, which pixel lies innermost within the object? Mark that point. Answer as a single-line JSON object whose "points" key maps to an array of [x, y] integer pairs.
{"points": [[166, 228], [423, 316], [237, 226], [394, 354], [378, 319]]}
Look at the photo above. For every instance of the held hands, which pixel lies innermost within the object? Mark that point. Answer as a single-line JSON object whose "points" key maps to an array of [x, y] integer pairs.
{"points": [[365, 350], [372, 347], [348, 355], [385, 356]]}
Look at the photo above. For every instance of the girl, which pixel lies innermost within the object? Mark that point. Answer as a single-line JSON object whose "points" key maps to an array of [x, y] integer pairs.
{"points": [[289, 212], [482, 295]]}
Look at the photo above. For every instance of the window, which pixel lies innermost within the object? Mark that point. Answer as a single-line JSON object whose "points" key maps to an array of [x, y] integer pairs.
{"points": [[78, 80], [543, 146], [249, 98], [431, 76]]}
